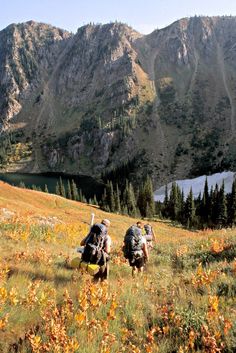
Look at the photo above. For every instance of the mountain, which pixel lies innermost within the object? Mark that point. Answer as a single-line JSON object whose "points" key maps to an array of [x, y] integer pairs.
{"points": [[197, 185], [90, 102]]}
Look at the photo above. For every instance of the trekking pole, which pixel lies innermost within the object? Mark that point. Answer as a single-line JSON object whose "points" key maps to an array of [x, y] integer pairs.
{"points": [[92, 220]]}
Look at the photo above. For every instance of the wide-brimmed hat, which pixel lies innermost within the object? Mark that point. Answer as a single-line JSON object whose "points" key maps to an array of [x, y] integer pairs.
{"points": [[106, 222]]}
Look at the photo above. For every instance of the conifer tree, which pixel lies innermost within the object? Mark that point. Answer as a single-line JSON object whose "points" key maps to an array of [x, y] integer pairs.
{"points": [[189, 210], [149, 197], [211, 207], [74, 191], [181, 207], [57, 191], [141, 202], [46, 188], [62, 188], [69, 192], [222, 207], [80, 196], [165, 203], [174, 202], [215, 205], [95, 202], [232, 206], [205, 205], [129, 199], [117, 199], [102, 202], [22, 185], [110, 197]]}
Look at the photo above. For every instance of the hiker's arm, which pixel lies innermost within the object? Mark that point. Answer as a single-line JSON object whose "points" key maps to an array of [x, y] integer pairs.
{"points": [[145, 251], [83, 241], [108, 246], [153, 234]]}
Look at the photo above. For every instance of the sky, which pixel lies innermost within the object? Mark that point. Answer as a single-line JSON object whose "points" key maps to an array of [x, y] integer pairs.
{"points": [[142, 15]]}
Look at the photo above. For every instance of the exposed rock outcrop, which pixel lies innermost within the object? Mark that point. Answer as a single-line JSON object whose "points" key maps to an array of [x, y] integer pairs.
{"points": [[89, 102]]}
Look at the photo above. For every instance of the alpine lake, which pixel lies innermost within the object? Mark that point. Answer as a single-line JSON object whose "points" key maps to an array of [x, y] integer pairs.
{"points": [[89, 186]]}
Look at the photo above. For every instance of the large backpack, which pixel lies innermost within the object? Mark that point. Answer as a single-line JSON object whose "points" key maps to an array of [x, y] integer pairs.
{"points": [[133, 243], [148, 232], [93, 250]]}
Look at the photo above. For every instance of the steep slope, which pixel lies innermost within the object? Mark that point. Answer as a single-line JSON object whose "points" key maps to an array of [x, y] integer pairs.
{"points": [[89, 102]]}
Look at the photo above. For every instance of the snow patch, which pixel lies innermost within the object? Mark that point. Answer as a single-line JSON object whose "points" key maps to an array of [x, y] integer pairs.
{"points": [[198, 183]]}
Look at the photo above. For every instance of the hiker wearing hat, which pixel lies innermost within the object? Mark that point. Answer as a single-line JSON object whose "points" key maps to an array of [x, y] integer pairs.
{"points": [[149, 235], [135, 248], [97, 247]]}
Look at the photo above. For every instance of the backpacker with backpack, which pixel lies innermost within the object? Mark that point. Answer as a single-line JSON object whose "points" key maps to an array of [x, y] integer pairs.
{"points": [[148, 232], [93, 250], [133, 243]]}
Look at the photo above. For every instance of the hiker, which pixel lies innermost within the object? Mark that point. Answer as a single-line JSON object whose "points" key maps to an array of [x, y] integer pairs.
{"points": [[149, 235], [97, 247], [135, 248]]}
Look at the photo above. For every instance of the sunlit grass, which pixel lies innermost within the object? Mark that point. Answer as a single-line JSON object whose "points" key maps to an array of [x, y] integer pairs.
{"points": [[184, 302]]}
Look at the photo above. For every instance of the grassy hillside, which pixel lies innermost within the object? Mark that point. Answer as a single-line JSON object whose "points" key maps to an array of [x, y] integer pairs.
{"points": [[185, 301]]}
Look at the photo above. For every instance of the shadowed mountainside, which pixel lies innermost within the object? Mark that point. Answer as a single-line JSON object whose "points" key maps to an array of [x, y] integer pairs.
{"points": [[89, 102]]}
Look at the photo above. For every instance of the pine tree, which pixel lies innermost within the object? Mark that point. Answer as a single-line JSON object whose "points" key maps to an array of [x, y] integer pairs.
{"points": [[222, 207], [110, 197], [22, 185], [103, 202], [80, 196], [74, 191], [95, 202], [232, 206], [215, 205], [117, 199], [205, 205], [189, 210], [165, 203], [129, 200], [69, 193], [145, 200], [141, 202], [149, 197], [57, 191], [62, 188], [46, 188], [174, 202]]}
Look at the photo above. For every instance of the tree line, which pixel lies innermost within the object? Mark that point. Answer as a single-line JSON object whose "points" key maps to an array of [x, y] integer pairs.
{"points": [[67, 189], [127, 200], [212, 209]]}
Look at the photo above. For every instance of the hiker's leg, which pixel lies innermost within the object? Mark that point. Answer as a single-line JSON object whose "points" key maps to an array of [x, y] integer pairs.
{"points": [[140, 270], [105, 272], [140, 264], [98, 275], [134, 271]]}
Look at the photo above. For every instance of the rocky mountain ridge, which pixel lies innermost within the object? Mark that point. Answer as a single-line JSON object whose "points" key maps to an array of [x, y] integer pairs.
{"points": [[92, 101]]}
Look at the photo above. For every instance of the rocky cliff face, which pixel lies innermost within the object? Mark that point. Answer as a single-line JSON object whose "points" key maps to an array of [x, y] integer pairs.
{"points": [[89, 102]]}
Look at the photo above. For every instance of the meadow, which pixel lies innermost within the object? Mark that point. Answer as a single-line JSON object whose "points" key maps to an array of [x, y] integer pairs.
{"points": [[184, 302]]}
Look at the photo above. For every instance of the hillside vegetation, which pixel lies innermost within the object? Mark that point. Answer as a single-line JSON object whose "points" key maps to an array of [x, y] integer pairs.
{"points": [[185, 301]]}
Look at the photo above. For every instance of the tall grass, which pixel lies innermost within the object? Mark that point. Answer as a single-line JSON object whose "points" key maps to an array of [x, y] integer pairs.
{"points": [[184, 302]]}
